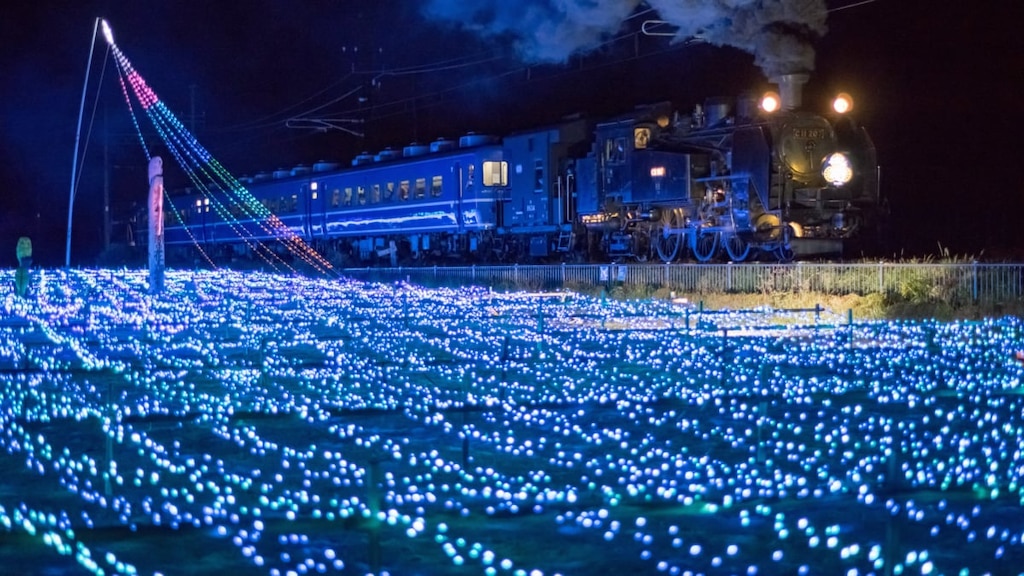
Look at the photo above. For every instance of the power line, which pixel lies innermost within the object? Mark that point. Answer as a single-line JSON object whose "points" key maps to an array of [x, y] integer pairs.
{"points": [[854, 5]]}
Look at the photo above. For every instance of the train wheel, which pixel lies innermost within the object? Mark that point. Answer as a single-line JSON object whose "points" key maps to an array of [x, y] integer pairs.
{"points": [[705, 244], [785, 250], [737, 248], [667, 241]]}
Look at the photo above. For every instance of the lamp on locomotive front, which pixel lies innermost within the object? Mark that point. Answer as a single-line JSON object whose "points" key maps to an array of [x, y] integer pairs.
{"points": [[842, 103], [837, 170], [771, 101]]}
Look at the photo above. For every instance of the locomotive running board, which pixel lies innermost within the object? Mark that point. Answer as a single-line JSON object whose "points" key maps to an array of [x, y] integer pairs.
{"points": [[816, 246]]}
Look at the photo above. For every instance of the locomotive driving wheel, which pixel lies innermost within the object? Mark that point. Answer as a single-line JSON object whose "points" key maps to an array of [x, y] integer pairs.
{"points": [[666, 241], [736, 247], [705, 244]]}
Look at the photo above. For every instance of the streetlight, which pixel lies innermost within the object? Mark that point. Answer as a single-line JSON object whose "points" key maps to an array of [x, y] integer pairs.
{"points": [[109, 35]]}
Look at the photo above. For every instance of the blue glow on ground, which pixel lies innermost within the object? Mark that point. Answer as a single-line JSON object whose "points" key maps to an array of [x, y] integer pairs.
{"points": [[286, 423]]}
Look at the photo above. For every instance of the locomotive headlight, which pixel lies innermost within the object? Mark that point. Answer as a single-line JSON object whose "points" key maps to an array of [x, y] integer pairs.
{"points": [[843, 103], [837, 170], [770, 102]]}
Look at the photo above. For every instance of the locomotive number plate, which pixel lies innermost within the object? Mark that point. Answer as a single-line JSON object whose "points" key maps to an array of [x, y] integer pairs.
{"points": [[809, 133]]}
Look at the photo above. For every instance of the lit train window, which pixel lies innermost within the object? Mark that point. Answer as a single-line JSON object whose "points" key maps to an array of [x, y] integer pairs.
{"points": [[421, 188], [435, 186], [403, 190], [641, 136], [495, 173], [335, 198], [375, 194], [361, 192], [389, 191], [347, 199]]}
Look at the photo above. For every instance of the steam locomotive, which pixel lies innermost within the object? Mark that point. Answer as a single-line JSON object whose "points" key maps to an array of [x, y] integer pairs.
{"points": [[734, 180]]}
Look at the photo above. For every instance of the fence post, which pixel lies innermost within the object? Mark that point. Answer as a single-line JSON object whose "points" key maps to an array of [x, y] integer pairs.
{"points": [[974, 282], [849, 322], [881, 282]]}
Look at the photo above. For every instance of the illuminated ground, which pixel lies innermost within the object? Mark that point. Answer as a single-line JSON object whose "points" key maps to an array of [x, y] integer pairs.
{"points": [[253, 424]]}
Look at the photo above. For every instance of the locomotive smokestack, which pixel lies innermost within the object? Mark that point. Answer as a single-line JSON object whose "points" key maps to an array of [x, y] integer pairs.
{"points": [[791, 88]]}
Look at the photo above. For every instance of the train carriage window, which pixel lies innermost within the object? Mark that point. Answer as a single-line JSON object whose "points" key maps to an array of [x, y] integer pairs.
{"points": [[335, 198], [421, 188], [615, 150], [389, 191], [347, 199], [403, 190], [435, 186], [361, 192], [375, 194], [495, 173], [538, 175], [294, 205]]}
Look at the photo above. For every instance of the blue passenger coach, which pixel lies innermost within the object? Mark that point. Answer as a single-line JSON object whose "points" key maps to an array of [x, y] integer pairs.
{"points": [[424, 199]]}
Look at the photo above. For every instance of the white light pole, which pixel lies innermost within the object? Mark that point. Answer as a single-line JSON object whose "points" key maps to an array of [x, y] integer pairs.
{"points": [[109, 36]]}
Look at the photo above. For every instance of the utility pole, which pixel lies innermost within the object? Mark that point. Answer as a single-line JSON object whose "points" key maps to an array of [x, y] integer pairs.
{"points": [[106, 180]]}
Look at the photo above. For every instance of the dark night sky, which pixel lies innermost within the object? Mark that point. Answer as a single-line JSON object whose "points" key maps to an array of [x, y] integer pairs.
{"points": [[935, 83]]}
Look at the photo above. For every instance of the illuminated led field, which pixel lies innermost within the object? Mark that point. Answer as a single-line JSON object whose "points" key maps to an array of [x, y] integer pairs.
{"points": [[257, 424]]}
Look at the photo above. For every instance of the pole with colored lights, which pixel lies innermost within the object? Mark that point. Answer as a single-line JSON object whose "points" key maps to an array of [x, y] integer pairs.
{"points": [[109, 36], [156, 225]]}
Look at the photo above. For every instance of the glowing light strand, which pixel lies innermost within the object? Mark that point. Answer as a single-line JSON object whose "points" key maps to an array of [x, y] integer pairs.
{"points": [[224, 213], [145, 149], [188, 152]]}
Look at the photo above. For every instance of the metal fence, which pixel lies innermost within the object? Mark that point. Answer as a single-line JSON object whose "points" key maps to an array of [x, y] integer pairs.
{"points": [[967, 282]]}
